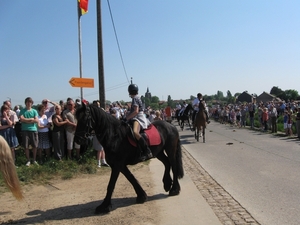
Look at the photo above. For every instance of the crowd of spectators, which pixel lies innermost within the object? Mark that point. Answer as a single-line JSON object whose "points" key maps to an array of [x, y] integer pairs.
{"points": [[45, 132], [48, 131], [267, 114]]}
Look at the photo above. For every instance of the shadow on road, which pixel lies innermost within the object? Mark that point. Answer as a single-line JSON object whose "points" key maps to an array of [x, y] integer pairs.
{"points": [[78, 210]]}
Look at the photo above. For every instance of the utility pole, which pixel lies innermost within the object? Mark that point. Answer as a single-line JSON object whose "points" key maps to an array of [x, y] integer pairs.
{"points": [[100, 57]]}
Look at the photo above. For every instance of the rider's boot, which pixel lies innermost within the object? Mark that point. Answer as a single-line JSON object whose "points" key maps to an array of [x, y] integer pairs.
{"points": [[207, 118], [146, 152]]}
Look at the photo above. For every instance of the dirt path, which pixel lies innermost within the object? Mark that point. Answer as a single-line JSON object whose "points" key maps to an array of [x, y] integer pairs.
{"points": [[73, 202]]}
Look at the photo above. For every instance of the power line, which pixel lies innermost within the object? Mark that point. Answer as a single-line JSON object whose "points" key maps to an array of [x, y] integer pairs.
{"points": [[112, 20]]}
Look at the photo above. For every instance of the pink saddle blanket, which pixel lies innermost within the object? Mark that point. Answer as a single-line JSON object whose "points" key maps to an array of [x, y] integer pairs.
{"points": [[153, 137]]}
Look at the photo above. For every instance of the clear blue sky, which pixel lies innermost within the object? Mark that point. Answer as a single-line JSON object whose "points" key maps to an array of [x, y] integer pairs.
{"points": [[176, 48]]}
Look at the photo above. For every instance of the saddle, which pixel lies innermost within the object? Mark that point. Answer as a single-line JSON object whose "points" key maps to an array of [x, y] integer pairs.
{"points": [[150, 134]]}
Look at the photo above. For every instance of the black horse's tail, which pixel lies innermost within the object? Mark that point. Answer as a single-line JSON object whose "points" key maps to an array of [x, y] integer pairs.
{"points": [[180, 172]]}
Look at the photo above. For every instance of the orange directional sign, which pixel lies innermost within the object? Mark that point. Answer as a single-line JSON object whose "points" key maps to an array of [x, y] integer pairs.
{"points": [[82, 82]]}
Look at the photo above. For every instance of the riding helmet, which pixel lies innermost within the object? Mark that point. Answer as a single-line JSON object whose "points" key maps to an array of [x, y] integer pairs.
{"points": [[133, 89]]}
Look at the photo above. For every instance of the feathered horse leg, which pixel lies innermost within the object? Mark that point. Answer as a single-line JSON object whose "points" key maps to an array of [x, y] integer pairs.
{"points": [[8, 169]]}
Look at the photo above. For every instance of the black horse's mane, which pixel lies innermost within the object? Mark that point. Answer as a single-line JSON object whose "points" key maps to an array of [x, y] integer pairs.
{"points": [[188, 108], [109, 130]]}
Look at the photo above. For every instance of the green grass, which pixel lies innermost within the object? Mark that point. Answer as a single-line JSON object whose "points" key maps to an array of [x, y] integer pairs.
{"points": [[53, 169]]}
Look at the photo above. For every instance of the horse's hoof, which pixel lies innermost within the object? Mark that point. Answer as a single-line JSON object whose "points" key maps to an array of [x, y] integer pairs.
{"points": [[167, 186], [141, 199], [103, 210], [174, 192]]}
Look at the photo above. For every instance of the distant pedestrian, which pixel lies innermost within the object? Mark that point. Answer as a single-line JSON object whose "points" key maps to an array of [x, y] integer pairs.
{"points": [[58, 134], [7, 131], [70, 127], [298, 122], [157, 115], [289, 125], [29, 120], [265, 118], [43, 133], [285, 122], [273, 115]]}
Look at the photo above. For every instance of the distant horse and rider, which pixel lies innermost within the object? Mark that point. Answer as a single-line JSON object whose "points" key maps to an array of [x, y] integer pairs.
{"points": [[200, 117], [184, 115], [200, 122]]}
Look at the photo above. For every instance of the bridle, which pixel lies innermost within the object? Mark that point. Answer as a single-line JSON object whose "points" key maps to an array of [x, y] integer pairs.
{"points": [[86, 133]]}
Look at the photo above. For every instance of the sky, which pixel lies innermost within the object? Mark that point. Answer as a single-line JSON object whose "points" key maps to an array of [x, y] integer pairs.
{"points": [[176, 48]]}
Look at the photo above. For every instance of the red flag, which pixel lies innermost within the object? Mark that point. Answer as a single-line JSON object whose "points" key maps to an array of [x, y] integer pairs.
{"points": [[82, 7]]}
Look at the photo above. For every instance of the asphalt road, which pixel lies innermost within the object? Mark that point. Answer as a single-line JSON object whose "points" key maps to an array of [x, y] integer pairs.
{"points": [[260, 171]]}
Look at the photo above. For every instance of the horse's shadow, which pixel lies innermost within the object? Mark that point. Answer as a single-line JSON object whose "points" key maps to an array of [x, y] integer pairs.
{"points": [[186, 139], [79, 210]]}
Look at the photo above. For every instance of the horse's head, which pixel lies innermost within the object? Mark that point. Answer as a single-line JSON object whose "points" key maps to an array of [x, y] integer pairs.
{"points": [[201, 105], [188, 109], [84, 124]]}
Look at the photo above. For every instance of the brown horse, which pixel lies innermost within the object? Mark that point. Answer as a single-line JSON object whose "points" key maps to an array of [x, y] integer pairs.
{"points": [[200, 122], [8, 169]]}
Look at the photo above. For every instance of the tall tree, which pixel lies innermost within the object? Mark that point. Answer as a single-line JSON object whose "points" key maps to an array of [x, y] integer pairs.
{"points": [[219, 95], [237, 94], [291, 94], [170, 101], [192, 97], [276, 91], [229, 95], [154, 99]]}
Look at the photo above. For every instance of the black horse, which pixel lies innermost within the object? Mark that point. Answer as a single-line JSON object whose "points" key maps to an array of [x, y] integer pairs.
{"points": [[119, 152], [185, 116]]}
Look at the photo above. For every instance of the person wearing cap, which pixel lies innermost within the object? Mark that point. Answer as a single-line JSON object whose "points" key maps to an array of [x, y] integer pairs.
{"points": [[49, 111]]}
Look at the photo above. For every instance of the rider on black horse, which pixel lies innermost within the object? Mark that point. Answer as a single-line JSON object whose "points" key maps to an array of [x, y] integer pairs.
{"points": [[196, 109], [139, 120]]}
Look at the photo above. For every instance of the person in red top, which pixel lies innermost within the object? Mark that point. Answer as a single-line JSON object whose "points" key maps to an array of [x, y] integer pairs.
{"points": [[265, 118]]}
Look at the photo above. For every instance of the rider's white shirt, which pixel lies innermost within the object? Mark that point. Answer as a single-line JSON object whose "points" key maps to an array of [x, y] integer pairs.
{"points": [[196, 102]]}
